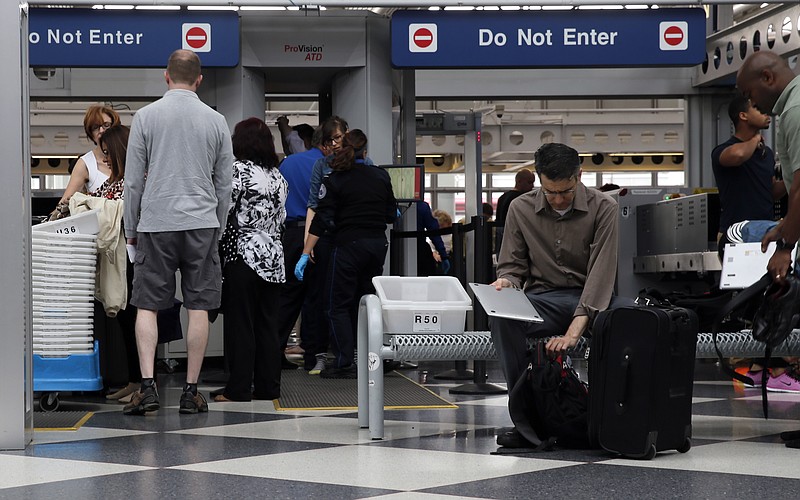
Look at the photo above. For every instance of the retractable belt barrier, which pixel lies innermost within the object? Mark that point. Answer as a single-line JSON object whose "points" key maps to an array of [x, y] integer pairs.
{"points": [[478, 346]]}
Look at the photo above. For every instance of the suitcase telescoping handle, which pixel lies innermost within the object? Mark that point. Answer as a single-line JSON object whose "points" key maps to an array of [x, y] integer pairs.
{"points": [[625, 368]]}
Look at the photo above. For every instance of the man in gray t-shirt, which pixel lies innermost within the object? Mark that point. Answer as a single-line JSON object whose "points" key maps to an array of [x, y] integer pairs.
{"points": [[177, 192]]}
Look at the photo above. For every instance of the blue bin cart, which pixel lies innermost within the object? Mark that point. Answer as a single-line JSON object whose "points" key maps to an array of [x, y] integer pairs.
{"points": [[75, 372]]}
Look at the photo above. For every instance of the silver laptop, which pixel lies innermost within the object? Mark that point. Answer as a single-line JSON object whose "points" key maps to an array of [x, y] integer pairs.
{"points": [[505, 303], [744, 264]]}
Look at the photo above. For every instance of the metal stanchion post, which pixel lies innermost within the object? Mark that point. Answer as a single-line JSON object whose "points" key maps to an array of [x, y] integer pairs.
{"points": [[458, 269], [483, 263]]}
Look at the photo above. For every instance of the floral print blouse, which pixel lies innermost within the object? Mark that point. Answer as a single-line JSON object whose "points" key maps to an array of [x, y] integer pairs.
{"points": [[261, 213]]}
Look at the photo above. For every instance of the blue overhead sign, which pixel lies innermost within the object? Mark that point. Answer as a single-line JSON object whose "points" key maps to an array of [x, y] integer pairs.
{"points": [[542, 39], [130, 39]]}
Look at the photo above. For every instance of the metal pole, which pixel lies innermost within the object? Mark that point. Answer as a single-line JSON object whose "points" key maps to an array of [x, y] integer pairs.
{"points": [[482, 263], [460, 372]]}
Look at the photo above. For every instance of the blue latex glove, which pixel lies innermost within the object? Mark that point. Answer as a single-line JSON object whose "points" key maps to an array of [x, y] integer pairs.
{"points": [[399, 214], [300, 268], [445, 266]]}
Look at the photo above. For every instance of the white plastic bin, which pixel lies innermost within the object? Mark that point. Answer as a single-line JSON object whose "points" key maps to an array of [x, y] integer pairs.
{"points": [[82, 223], [436, 304]]}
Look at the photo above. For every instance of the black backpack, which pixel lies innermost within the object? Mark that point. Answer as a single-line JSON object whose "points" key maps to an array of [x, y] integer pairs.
{"points": [[776, 316], [549, 404]]}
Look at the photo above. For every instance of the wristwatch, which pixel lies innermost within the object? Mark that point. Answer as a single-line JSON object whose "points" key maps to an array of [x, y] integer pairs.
{"points": [[782, 244]]}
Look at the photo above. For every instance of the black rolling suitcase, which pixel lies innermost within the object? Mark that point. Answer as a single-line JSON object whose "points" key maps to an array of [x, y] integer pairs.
{"points": [[641, 371]]}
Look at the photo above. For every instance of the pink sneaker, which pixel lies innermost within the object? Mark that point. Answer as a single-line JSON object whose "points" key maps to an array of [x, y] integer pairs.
{"points": [[756, 377], [787, 382]]}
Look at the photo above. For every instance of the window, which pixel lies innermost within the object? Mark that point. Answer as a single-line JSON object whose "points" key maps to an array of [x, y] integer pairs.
{"points": [[671, 178], [56, 181], [628, 179], [588, 179], [504, 181]]}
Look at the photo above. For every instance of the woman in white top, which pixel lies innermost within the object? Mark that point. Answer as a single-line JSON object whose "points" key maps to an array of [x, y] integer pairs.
{"points": [[92, 170]]}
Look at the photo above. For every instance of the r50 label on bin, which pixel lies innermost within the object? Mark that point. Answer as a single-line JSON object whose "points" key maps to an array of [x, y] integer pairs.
{"points": [[427, 321]]}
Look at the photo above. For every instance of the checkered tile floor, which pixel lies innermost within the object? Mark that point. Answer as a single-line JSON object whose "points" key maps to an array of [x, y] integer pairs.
{"points": [[241, 450]]}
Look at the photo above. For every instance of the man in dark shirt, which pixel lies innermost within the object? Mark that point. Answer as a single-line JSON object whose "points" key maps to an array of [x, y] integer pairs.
{"points": [[744, 168], [523, 183]]}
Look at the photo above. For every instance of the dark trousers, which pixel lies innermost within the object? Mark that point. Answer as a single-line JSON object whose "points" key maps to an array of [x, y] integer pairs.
{"points": [[126, 318], [252, 344], [556, 307], [293, 292], [426, 264], [350, 273], [315, 334]]}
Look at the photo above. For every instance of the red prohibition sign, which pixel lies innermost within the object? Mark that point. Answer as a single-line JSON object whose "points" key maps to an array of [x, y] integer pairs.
{"points": [[673, 35], [423, 38], [196, 37]]}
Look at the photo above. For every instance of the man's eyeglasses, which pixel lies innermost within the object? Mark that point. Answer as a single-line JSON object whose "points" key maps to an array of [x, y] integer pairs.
{"points": [[553, 194], [104, 126]]}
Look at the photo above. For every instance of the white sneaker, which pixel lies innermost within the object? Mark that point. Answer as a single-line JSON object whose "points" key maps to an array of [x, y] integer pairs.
{"points": [[319, 366]]}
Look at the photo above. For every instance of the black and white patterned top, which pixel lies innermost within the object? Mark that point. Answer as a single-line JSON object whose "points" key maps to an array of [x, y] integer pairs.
{"points": [[261, 215]]}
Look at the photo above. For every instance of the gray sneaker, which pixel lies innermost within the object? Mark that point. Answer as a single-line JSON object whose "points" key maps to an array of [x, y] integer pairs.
{"points": [[319, 366]]}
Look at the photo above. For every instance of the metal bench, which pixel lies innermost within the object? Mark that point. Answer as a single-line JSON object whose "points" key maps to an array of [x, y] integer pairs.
{"points": [[479, 346]]}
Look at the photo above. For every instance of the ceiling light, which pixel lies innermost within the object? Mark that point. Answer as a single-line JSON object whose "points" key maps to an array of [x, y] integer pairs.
{"points": [[64, 157], [212, 7], [600, 7], [157, 7], [646, 154], [119, 7], [262, 7]]}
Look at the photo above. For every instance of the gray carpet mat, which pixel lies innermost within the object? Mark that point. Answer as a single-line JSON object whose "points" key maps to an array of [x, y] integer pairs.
{"points": [[301, 391]]}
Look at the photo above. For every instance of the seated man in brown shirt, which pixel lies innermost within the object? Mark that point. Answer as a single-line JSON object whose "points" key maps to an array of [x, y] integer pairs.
{"points": [[560, 244]]}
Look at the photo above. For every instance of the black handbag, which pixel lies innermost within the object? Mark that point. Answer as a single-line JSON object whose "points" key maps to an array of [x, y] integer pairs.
{"points": [[227, 244], [777, 315]]}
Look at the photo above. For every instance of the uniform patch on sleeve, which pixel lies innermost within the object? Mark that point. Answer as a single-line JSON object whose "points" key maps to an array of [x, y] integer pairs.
{"points": [[322, 191]]}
